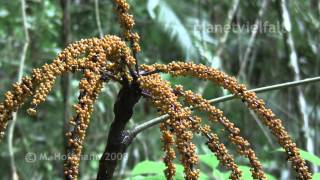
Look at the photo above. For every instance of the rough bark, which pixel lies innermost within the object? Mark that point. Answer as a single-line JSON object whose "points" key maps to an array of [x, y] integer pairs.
{"points": [[118, 137]]}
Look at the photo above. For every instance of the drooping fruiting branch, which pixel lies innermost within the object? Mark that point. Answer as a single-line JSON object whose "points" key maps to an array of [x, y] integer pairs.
{"points": [[266, 115], [168, 142], [90, 87], [216, 115], [127, 23], [108, 54], [221, 152], [150, 123], [165, 101]]}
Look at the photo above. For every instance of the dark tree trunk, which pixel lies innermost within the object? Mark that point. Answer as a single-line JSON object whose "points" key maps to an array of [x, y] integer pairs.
{"points": [[118, 138]]}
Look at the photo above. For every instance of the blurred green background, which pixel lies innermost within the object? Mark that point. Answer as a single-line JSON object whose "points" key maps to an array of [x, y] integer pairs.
{"points": [[217, 33]]}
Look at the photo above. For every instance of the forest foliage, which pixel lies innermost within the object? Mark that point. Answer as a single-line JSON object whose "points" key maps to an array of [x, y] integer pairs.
{"points": [[169, 31]]}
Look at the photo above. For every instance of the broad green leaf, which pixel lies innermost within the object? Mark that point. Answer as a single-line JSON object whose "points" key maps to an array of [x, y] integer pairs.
{"points": [[148, 167], [310, 157], [179, 170], [316, 176], [306, 156], [152, 170], [172, 25], [210, 160], [246, 173], [152, 4], [156, 177], [220, 175], [155, 169]]}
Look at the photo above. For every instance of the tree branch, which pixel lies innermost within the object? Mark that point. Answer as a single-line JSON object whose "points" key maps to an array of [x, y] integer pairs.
{"points": [[139, 128]]}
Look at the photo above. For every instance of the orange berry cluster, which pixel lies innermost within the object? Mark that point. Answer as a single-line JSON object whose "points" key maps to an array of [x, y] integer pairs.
{"points": [[221, 152], [127, 23], [252, 101], [168, 143], [216, 115], [13, 100], [92, 57], [109, 48], [167, 103], [90, 87]]}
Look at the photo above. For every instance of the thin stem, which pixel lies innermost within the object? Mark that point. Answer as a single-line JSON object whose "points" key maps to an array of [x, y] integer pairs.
{"points": [[20, 74], [96, 7], [222, 42], [263, 129], [294, 65], [252, 38], [139, 128]]}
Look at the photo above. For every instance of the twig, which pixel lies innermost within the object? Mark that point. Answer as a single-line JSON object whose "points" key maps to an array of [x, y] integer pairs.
{"points": [[65, 86], [225, 36], [96, 7], [221, 44], [252, 38], [264, 131], [20, 74], [294, 65], [139, 128]]}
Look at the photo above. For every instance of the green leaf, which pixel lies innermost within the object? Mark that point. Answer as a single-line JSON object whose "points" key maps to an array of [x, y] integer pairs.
{"points": [[4, 13], [306, 156], [179, 172], [152, 170], [310, 157], [210, 160], [148, 167], [316, 176], [246, 173], [156, 177], [152, 4], [220, 175], [172, 25]]}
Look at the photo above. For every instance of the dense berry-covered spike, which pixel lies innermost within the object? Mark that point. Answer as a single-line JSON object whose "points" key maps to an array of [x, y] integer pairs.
{"points": [[166, 102], [168, 143], [216, 115], [220, 150], [107, 54], [90, 87], [230, 83], [13, 100]]}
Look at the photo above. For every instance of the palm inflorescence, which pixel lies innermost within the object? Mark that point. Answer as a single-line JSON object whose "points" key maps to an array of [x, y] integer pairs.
{"points": [[113, 59]]}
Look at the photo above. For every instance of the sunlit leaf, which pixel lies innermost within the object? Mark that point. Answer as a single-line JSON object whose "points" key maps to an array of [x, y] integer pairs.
{"points": [[210, 160], [3, 13], [246, 173], [316, 176], [172, 25], [306, 156], [148, 167], [152, 4]]}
